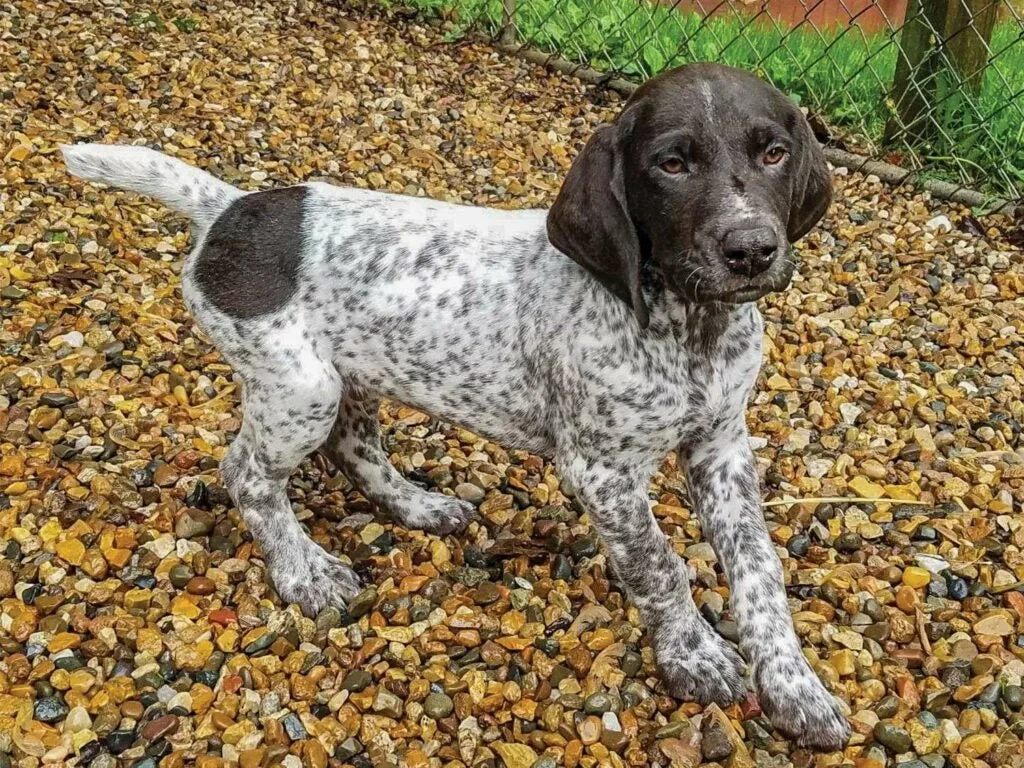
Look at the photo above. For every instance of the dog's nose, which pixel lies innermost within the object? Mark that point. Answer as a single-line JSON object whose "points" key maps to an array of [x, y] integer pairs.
{"points": [[751, 251]]}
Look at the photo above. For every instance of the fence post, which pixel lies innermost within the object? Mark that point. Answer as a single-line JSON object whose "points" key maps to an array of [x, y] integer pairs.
{"points": [[969, 31], [937, 33], [507, 37]]}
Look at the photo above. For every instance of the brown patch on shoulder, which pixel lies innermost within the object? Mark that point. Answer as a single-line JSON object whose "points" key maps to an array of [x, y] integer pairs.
{"points": [[249, 262]]}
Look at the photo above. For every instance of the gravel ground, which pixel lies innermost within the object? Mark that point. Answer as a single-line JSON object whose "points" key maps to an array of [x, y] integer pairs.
{"points": [[135, 625]]}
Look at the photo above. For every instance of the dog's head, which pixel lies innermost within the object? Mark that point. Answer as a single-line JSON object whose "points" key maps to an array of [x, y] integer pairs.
{"points": [[709, 173]]}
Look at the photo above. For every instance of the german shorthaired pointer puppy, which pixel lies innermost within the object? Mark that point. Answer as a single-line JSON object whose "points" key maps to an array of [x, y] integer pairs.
{"points": [[606, 332]]}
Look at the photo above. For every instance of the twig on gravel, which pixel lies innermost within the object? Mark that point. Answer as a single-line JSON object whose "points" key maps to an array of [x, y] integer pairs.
{"points": [[922, 634], [843, 500]]}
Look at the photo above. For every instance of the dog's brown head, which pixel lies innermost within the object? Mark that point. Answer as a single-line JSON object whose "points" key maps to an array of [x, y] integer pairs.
{"points": [[709, 173]]}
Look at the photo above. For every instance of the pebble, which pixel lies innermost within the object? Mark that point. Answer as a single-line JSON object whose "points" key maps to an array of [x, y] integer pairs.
{"points": [[438, 706], [357, 680], [597, 703], [362, 603], [293, 727], [160, 727], [892, 737], [50, 709]]}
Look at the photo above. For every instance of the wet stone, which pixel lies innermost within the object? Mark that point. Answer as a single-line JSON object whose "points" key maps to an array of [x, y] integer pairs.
{"points": [[160, 727], [486, 593], [887, 707], [892, 737], [180, 575], [550, 646], [470, 576], [716, 744], [1013, 695], [562, 568], [50, 709], [597, 703], [357, 680], [583, 548], [438, 706], [631, 663], [118, 741], [848, 542], [798, 545], [193, 523], [293, 727]]}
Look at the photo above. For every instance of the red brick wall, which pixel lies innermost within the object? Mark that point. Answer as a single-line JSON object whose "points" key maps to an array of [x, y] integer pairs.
{"points": [[870, 15]]}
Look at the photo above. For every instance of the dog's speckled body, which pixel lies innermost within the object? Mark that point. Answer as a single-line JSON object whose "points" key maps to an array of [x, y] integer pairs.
{"points": [[326, 299]]}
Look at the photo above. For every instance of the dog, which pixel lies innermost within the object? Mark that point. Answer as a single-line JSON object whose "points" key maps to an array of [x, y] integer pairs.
{"points": [[606, 332]]}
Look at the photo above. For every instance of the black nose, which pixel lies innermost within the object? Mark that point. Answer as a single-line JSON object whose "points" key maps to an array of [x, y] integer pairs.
{"points": [[750, 252]]}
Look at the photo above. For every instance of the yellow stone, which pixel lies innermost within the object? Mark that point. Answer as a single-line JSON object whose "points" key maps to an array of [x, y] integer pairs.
{"points": [[977, 744], [202, 698], [82, 680], [865, 488], [916, 577], [12, 465], [149, 640], [50, 530], [12, 705], [18, 153], [514, 643], [439, 553], [62, 641], [182, 606], [71, 551], [118, 557], [843, 662], [137, 599], [515, 755], [120, 688], [525, 709], [396, 634], [60, 679], [253, 635], [193, 657], [512, 622], [227, 640], [236, 732], [600, 639]]}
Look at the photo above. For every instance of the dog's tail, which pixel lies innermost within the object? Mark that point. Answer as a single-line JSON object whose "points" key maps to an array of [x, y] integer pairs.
{"points": [[178, 185]]}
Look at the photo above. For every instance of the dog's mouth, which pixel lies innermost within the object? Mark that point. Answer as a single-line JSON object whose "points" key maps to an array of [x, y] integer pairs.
{"points": [[720, 287], [741, 295]]}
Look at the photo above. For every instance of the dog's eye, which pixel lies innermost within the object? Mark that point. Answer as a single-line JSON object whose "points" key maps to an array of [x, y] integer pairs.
{"points": [[774, 156], [673, 166]]}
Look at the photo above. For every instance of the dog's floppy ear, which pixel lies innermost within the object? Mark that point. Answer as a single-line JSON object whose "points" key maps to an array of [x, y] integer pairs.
{"points": [[812, 182], [590, 221]]}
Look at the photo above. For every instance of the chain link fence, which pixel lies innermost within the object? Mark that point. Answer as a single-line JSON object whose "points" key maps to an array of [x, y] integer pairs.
{"points": [[930, 90]]}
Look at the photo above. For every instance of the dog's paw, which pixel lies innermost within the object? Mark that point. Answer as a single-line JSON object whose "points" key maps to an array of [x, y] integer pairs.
{"points": [[436, 513], [315, 581], [800, 707], [697, 664]]}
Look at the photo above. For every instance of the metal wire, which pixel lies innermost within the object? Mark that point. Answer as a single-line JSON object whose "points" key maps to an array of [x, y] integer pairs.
{"points": [[953, 117]]}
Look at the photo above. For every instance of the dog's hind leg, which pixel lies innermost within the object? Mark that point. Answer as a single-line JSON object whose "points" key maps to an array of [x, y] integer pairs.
{"points": [[286, 415], [354, 448]]}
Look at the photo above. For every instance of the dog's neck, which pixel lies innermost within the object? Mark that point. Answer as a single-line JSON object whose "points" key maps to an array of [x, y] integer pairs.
{"points": [[693, 325]]}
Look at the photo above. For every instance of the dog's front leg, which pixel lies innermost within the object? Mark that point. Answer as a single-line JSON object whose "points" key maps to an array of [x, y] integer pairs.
{"points": [[726, 492], [695, 662]]}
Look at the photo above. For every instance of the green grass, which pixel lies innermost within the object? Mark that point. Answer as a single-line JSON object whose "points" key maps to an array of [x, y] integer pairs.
{"points": [[840, 73]]}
